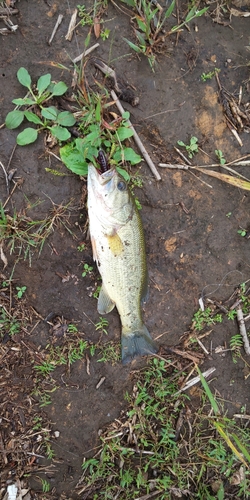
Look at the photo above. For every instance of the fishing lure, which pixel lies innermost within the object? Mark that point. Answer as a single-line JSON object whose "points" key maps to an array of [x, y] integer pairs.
{"points": [[103, 161]]}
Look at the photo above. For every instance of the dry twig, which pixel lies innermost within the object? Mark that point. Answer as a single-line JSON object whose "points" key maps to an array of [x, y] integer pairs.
{"points": [[243, 331], [58, 22], [137, 140]]}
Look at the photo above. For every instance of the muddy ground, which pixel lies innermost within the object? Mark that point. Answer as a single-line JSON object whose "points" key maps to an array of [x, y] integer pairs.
{"points": [[193, 246]]}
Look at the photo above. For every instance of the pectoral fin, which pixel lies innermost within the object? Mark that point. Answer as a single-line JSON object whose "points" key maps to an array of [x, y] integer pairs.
{"points": [[105, 304], [93, 243]]}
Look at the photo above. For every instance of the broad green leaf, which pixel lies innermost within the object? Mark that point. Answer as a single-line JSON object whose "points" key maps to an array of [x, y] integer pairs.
{"points": [[59, 88], [14, 118], [50, 113], [131, 156], [86, 149], [24, 77], [73, 160], [132, 45], [193, 140], [61, 133], [124, 133], [31, 117], [26, 101], [128, 154], [66, 119], [126, 115], [27, 136], [124, 173], [43, 82], [170, 10], [92, 137], [181, 143]]}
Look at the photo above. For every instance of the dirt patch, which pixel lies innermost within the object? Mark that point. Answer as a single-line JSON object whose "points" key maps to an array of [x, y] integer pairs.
{"points": [[191, 224]]}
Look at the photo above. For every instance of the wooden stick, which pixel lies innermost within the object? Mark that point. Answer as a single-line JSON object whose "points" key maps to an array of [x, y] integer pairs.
{"points": [[72, 26], [137, 139], [196, 380], [58, 22], [85, 53], [243, 331], [6, 177], [236, 135]]}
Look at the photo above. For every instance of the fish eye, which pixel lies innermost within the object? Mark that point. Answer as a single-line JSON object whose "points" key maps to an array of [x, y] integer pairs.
{"points": [[121, 185]]}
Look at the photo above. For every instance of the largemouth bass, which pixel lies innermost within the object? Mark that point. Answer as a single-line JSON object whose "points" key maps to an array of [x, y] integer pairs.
{"points": [[119, 251]]}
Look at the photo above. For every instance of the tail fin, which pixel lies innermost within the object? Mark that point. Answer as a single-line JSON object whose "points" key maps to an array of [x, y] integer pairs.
{"points": [[138, 343]]}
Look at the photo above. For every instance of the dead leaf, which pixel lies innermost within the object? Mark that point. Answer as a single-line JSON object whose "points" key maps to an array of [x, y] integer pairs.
{"points": [[239, 13], [238, 476], [97, 27], [3, 257], [234, 181]]}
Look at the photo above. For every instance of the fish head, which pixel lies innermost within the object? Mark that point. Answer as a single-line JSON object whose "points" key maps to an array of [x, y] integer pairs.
{"points": [[109, 197]]}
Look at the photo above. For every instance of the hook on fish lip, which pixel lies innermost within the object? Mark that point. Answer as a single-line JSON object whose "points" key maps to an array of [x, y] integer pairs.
{"points": [[103, 161]]}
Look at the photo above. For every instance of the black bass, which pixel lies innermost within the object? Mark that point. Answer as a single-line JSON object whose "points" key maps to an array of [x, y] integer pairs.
{"points": [[119, 251]]}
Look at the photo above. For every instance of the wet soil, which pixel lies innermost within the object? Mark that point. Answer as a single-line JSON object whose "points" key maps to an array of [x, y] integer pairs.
{"points": [[193, 246]]}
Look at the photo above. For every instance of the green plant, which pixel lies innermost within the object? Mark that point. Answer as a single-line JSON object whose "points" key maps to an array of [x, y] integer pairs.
{"points": [[45, 399], [86, 18], [136, 181], [205, 318], [150, 19], [48, 448], [96, 293], [105, 34], [191, 148], [142, 452], [20, 291], [242, 232], [76, 353], [37, 423], [220, 156], [72, 328], [45, 117], [236, 343], [209, 75], [9, 325], [102, 324], [98, 133], [87, 270], [19, 232], [45, 485], [81, 247], [45, 368], [109, 353], [232, 314]]}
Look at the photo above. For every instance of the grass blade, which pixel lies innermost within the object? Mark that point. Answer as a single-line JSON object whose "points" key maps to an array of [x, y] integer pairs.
{"points": [[208, 393], [229, 443], [242, 447]]}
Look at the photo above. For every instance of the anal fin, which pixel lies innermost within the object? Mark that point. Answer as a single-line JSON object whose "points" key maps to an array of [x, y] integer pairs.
{"points": [[105, 304]]}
